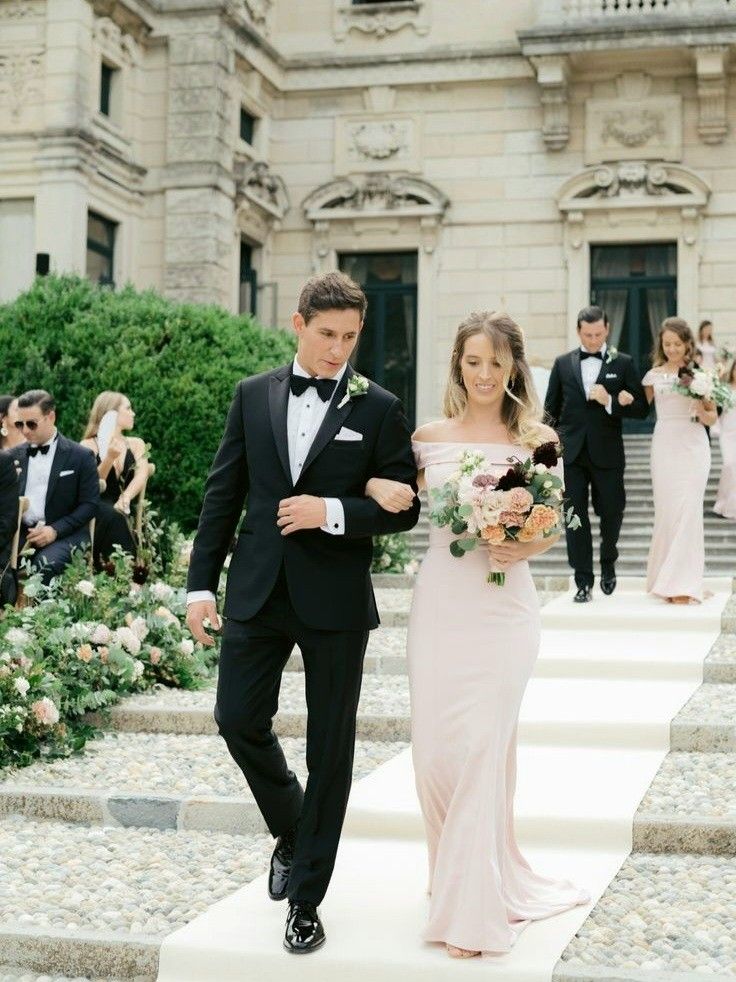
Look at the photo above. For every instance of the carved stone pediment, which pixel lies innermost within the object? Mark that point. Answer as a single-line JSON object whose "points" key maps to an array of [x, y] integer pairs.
{"points": [[115, 42], [257, 184], [630, 184], [634, 126], [376, 194], [380, 19]]}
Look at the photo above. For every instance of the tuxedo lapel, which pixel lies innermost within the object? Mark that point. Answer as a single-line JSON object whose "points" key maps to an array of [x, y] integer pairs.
{"points": [[278, 405], [332, 422], [576, 368], [60, 458], [20, 460]]}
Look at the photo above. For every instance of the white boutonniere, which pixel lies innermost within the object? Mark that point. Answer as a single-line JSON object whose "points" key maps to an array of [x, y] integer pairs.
{"points": [[357, 386], [611, 355]]}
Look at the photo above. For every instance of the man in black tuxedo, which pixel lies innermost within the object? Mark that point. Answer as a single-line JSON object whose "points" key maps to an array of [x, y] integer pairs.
{"points": [[59, 477], [9, 496], [591, 389], [299, 446]]}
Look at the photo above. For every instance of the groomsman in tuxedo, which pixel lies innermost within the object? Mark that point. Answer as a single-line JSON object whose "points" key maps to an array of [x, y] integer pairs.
{"points": [[9, 495], [59, 477], [299, 446], [591, 389]]}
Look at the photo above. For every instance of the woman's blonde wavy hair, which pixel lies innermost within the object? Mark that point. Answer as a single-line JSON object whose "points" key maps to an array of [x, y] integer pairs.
{"points": [[104, 402], [521, 411], [681, 328]]}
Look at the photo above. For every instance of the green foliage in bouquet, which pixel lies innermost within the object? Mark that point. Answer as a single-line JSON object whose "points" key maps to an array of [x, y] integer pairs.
{"points": [[391, 554], [178, 363], [84, 642]]}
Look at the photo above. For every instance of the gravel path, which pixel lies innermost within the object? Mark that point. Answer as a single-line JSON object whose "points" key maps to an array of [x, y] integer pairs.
{"points": [[662, 913], [172, 764], [702, 784], [120, 880], [716, 703]]}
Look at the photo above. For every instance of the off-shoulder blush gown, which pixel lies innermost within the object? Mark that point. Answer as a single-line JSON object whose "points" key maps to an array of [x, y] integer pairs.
{"points": [[680, 464], [471, 650], [726, 497]]}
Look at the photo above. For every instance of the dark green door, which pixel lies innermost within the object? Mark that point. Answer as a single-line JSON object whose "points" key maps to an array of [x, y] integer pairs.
{"points": [[637, 287], [387, 348]]}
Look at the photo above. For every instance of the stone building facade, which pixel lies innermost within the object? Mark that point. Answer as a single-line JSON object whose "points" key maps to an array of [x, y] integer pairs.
{"points": [[451, 154]]}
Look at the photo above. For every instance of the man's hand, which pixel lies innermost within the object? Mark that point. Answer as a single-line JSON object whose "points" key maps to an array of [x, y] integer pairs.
{"points": [[197, 613], [392, 496], [40, 536], [304, 511], [625, 398], [599, 394]]}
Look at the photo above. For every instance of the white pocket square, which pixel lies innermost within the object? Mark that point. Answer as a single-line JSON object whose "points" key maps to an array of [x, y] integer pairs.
{"points": [[348, 434], [65, 473], [612, 376]]}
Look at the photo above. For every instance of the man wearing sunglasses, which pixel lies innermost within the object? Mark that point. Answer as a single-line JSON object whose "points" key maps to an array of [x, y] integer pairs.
{"points": [[59, 477]]}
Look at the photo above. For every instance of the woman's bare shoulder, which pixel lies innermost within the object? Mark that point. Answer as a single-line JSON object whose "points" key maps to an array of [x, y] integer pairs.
{"points": [[429, 432]]}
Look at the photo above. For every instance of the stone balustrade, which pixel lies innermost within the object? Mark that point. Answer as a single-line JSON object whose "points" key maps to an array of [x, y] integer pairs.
{"points": [[587, 10]]}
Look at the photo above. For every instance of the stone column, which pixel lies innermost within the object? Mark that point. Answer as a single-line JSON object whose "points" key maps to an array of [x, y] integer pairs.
{"points": [[198, 177]]}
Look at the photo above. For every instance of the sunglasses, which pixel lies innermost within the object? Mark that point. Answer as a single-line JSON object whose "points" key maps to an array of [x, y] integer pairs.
{"points": [[31, 424]]}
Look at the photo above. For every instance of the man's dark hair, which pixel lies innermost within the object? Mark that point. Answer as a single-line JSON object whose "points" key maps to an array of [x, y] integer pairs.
{"points": [[590, 315], [331, 291], [37, 397]]}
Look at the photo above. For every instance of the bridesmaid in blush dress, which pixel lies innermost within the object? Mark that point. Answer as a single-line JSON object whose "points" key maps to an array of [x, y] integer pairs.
{"points": [[725, 505], [680, 465], [471, 651]]}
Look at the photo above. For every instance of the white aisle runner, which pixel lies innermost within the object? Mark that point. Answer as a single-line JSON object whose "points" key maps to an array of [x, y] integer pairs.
{"points": [[594, 729]]}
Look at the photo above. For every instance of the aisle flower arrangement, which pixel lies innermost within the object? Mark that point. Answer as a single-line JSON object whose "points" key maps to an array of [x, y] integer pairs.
{"points": [[80, 645]]}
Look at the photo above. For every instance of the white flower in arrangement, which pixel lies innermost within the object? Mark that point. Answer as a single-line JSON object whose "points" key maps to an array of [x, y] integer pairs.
{"points": [[138, 627], [385, 560], [411, 567], [17, 637], [86, 588], [702, 384], [167, 615], [357, 386], [128, 639], [611, 354], [45, 711], [162, 592], [22, 686], [101, 634], [186, 646], [541, 469], [5, 656], [138, 669]]}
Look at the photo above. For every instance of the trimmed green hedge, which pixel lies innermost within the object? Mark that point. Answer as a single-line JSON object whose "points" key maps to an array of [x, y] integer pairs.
{"points": [[178, 363]]}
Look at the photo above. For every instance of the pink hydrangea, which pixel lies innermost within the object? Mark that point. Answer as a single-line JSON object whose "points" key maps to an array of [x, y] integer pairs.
{"points": [[45, 711], [101, 635]]}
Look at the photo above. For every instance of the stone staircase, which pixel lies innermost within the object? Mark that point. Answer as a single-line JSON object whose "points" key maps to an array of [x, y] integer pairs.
{"points": [[103, 855], [720, 534]]}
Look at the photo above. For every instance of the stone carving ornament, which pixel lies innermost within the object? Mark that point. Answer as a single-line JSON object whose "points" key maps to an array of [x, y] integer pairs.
{"points": [[254, 179], [259, 13], [380, 19], [379, 141], [21, 80], [377, 193], [633, 129], [632, 178]]}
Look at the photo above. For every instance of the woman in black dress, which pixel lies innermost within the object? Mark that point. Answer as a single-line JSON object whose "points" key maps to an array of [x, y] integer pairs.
{"points": [[123, 469]]}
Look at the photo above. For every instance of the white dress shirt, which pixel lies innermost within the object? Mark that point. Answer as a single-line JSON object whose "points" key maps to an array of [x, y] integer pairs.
{"points": [[590, 370], [37, 483], [304, 416]]}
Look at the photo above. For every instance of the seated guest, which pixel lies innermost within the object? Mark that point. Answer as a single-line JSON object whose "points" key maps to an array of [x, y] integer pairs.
{"points": [[124, 470], [9, 495], [10, 435], [60, 480]]}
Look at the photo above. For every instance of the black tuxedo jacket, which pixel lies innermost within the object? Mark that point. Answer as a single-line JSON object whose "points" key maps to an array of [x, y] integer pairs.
{"points": [[9, 494], [585, 424], [328, 575], [73, 492]]}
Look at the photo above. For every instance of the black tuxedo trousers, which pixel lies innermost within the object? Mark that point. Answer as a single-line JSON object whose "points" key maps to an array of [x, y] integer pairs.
{"points": [[609, 501], [252, 659]]}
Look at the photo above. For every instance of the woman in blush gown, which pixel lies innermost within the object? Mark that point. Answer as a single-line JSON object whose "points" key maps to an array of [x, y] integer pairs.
{"points": [[471, 651], [680, 465], [725, 505], [707, 352]]}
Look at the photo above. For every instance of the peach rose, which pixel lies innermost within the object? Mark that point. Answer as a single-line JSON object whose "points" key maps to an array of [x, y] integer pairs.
{"points": [[45, 711], [494, 535], [84, 653], [512, 519], [519, 499]]}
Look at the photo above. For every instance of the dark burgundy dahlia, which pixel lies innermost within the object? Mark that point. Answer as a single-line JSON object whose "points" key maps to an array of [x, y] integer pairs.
{"points": [[513, 478], [547, 454]]}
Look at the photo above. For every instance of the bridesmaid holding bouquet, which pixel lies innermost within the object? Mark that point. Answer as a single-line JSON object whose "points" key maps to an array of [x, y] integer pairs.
{"points": [[725, 505], [680, 465]]}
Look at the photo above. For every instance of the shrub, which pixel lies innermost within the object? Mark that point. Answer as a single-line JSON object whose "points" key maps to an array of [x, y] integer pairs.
{"points": [[178, 363]]}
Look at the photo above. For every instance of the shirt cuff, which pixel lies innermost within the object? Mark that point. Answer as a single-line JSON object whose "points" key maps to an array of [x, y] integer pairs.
{"points": [[609, 404], [335, 520], [196, 595]]}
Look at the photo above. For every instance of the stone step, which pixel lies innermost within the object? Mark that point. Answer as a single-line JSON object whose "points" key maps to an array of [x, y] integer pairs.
{"points": [[690, 806], [161, 781], [707, 721], [664, 918], [98, 901]]}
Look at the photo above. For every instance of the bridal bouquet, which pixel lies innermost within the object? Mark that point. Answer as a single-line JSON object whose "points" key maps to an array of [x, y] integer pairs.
{"points": [[524, 504], [703, 383]]}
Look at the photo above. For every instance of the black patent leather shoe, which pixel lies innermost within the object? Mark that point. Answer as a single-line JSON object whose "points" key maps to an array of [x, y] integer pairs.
{"points": [[608, 585], [583, 595], [304, 931], [281, 860]]}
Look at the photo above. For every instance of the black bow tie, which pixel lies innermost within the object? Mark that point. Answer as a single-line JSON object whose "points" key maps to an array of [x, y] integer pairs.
{"points": [[591, 354], [324, 386], [32, 450]]}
